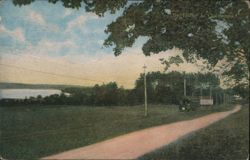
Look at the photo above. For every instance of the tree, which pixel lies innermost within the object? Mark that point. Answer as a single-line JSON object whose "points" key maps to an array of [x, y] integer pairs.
{"points": [[167, 88], [210, 30]]}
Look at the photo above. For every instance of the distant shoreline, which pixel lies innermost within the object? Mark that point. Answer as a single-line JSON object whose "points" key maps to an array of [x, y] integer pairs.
{"points": [[27, 93], [4, 85]]}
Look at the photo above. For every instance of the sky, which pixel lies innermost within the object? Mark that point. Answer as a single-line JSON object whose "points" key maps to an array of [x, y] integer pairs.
{"points": [[45, 43]]}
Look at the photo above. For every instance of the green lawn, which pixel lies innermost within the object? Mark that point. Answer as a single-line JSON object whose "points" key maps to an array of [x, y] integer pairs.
{"points": [[225, 140], [29, 132]]}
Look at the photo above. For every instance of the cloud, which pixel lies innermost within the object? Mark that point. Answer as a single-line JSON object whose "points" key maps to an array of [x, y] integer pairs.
{"points": [[48, 47], [17, 33], [80, 20], [76, 22], [37, 18], [67, 12]]}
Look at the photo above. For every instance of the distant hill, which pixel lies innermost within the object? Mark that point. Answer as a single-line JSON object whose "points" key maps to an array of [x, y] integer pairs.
{"points": [[35, 86]]}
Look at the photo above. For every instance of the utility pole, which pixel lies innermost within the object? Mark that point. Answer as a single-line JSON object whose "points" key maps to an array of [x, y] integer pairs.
{"points": [[185, 90], [224, 98], [145, 91], [201, 92], [210, 94], [216, 99]]}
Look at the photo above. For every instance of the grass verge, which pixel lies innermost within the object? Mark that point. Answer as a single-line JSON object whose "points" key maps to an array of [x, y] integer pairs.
{"points": [[31, 132], [225, 140]]}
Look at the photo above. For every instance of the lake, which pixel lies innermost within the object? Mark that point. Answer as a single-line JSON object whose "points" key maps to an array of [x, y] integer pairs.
{"points": [[26, 93]]}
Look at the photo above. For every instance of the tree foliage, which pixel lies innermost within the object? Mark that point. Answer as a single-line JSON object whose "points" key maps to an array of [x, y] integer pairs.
{"points": [[96, 6], [177, 60], [169, 87]]}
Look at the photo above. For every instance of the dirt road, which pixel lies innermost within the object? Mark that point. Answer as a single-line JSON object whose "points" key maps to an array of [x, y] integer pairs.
{"points": [[136, 144]]}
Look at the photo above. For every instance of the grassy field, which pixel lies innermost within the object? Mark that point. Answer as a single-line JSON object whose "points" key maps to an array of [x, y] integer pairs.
{"points": [[29, 132], [224, 140]]}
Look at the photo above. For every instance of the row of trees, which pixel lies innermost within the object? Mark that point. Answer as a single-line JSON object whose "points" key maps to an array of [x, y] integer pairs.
{"points": [[162, 88], [169, 88]]}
